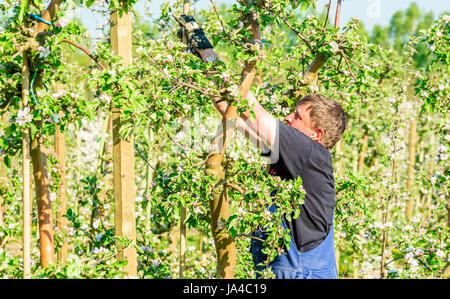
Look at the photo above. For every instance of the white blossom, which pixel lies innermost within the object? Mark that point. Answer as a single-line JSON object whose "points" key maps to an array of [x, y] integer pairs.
{"points": [[334, 47], [24, 116], [43, 51]]}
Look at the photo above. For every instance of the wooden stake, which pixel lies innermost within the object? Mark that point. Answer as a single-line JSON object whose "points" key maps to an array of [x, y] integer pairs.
{"points": [[339, 156], [363, 153], [150, 176], [339, 172], [411, 162], [182, 250], [3, 177], [200, 241], [123, 152], [429, 195], [26, 159]]}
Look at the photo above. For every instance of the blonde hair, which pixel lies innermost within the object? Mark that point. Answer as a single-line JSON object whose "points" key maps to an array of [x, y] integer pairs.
{"points": [[326, 114]]}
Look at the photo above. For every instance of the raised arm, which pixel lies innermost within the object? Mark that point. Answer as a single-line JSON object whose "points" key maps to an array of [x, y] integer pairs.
{"points": [[263, 127]]}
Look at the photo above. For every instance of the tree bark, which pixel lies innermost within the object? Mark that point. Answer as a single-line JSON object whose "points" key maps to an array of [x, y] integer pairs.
{"points": [[219, 205], [39, 161]]}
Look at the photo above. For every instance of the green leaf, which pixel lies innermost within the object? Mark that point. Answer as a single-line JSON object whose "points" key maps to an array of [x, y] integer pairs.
{"points": [[7, 161]]}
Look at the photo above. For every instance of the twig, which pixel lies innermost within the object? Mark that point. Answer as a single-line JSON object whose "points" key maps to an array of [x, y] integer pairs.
{"points": [[250, 236], [328, 13], [235, 188], [85, 51], [338, 13], [223, 27], [348, 64], [303, 38]]}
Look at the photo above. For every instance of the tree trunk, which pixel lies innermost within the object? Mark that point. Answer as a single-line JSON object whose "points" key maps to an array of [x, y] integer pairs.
{"points": [[39, 160], [219, 205]]}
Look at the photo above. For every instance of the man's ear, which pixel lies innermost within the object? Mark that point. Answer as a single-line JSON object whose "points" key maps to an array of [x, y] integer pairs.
{"points": [[318, 135]]}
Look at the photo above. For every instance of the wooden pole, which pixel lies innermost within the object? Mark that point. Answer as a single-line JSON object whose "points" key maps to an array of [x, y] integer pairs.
{"points": [[200, 241], [339, 172], [411, 162], [182, 263], [150, 176], [61, 222], [363, 153], [26, 173], [123, 151], [3, 177], [429, 195]]}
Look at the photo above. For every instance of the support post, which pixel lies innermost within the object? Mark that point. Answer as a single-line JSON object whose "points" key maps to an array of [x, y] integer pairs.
{"points": [[123, 152], [26, 173], [411, 162], [363, 153]]}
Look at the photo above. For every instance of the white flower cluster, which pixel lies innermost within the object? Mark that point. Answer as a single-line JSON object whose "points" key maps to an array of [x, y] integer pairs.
{"points": [[24, 116], [62, 22], [99, 250], [334, 47], [381, 226], [225, 76], [233, 90], [446, 18], [43, 51]]}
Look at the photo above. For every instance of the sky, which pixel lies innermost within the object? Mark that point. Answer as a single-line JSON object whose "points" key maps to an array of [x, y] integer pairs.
{"points": [[370, 12]]}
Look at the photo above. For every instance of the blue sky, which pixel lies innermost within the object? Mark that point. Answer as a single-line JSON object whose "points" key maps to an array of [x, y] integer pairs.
{"points": [[370, 12]]}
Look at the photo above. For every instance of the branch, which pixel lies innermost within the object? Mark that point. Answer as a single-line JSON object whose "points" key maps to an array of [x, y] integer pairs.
{"points": [[328, 13], [235, 188], [301, 36], [348, 64], [223, 27], [85, 51], [250, 236], [338, 13]]}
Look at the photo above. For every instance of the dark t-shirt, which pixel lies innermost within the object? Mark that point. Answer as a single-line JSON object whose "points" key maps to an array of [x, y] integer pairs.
{"points": [[296, 154]]}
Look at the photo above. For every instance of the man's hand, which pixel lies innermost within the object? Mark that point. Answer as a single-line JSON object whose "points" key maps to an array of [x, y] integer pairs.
{"points": [[191, 34]]}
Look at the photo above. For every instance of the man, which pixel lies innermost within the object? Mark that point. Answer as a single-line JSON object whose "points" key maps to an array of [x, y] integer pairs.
{"points": [[298, 147]]}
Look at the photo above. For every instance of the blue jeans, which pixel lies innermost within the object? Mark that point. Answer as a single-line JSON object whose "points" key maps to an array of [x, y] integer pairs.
{"points": [[317, 263]]}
